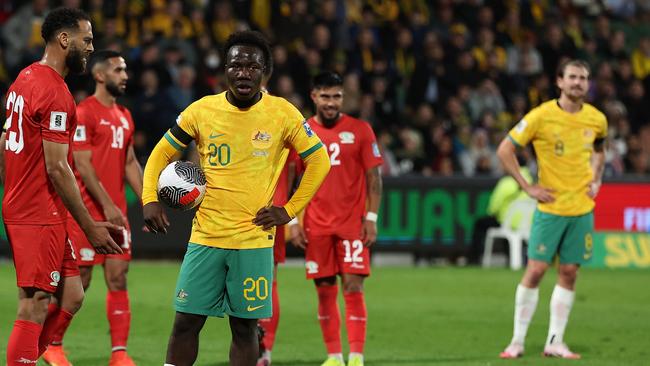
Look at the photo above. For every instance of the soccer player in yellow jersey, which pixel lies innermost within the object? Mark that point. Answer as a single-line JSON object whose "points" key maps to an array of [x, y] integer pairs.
{"points": [[243, 138], [569, 139]]}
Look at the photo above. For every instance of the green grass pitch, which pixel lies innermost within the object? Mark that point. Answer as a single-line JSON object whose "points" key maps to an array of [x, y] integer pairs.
{"points": [[417, 316]]}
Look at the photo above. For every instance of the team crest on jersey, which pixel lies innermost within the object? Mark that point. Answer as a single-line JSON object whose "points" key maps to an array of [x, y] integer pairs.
{"points": [[346, 137], [307, 128], [56, 277], [125, 123], [261, 139], [80, 134], [58, 120], [178, 120], [182, 296], [312, 267]]}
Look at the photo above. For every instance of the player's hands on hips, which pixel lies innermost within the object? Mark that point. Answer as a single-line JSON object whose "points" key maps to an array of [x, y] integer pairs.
{"points": [[100, 238], [269, 217], [155, 218], [369, 233], [297, 236], [593, 188], [541, 194], [114, 215]]}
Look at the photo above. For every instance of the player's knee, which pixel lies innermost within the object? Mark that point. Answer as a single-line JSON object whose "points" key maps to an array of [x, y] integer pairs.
{"points": [[184, 325], [116, 281], [353, 287], [243, 329], [568, 275], [34, 307]]}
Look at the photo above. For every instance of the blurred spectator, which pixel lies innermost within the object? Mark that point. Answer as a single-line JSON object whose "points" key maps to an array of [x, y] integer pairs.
{"points": [[641, 58], [22, 35], [485, 97]]}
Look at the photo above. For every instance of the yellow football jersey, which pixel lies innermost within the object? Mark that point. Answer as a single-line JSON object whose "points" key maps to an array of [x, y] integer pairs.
{"points": [[563, 144], [242, 152]]}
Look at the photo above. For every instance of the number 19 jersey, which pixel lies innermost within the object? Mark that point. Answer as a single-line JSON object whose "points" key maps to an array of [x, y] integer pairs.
{"points": [[39, 107]]}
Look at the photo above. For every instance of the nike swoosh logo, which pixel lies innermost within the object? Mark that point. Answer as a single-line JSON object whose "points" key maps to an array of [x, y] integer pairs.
{"points": [[253, 308], [213, 136]]}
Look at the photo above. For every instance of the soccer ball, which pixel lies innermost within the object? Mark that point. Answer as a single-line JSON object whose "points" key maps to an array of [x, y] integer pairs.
{"points": [[181, 185]]}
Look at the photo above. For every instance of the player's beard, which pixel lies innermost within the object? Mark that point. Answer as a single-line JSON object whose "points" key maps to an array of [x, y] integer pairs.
{"points": [[114, 90], [329, 122], [75, 60]]}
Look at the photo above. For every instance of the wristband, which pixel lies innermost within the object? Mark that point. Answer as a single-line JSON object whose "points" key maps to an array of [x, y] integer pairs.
{"points": [[293, 221], [371, 216]]}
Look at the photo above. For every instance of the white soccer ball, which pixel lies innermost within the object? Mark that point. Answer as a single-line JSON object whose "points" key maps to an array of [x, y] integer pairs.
{"points": [[181, 185]]}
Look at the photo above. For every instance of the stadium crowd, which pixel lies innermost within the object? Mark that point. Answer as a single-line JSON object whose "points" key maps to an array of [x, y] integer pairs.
{"points": [[441, 82]]}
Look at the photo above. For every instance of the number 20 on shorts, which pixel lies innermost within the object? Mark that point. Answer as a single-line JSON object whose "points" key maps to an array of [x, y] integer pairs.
{"points": [[256, 289]]}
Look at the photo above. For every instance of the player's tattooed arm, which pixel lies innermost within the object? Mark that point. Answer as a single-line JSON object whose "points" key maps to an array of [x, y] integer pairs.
{"points": [[597, 166], [374, 189]]}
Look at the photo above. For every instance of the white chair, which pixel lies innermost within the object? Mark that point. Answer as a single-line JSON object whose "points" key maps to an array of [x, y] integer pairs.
{"points": [[524, 209]]}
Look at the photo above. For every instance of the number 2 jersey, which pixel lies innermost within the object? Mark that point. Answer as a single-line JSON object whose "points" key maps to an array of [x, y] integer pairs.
{"points": [[39, 107], [107, 132], [340, 204]]}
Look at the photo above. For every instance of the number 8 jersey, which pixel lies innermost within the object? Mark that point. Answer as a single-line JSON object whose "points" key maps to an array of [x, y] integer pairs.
{"points": [[39, 107], [107, 132]]}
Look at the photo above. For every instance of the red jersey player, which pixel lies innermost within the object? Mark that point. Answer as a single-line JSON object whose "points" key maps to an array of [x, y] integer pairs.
{"points": [[340, 222], [40, 186], [280, 198], [104, 157]]}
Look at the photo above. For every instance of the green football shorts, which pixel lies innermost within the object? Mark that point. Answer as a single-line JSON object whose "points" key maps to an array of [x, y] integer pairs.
{"points": [[571, 237], [215, 281]]}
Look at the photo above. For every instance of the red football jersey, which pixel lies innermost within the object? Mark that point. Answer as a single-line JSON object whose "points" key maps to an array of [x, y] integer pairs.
{"points": [[107, 132], [39, 107], [340, 203]]}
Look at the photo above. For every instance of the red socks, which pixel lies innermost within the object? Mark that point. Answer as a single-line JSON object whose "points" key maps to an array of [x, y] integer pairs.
{"points": [[54, 328], [119, 318], [329, 317], [270, 325], [355, 320], [23, 343]]}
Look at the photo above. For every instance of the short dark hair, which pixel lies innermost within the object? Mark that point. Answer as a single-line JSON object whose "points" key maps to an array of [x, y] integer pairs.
{"points": [[60, 19], [326, 79], [250, 38], [572, 62], [101, 56]]}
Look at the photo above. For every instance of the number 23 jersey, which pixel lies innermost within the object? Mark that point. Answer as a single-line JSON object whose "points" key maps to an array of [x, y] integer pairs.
{"points": [[340, 203], [39, 107]]}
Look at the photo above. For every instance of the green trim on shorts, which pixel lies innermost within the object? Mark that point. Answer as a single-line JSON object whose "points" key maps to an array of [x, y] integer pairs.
{"points": [[216, 281], [570, 237]]}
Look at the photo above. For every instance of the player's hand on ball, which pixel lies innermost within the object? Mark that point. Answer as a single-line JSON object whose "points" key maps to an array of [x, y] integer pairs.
{"points": [[114, 215], [541, 194], [369, 233], [155, 218], [269, 217], [100, 238], [297, 236]]}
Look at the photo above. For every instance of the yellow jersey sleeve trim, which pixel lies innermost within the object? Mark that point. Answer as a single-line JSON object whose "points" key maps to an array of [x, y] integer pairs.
{"points": [[177, 144], [514, 141], [317, 166], [306, 153], [160, 157]]}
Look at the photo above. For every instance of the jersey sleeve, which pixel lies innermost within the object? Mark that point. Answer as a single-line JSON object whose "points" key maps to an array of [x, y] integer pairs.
{"points": [[57, 115], [300, 136], [83, 136], [370, 154], [603, 128], [187, 122], [526, 129]]}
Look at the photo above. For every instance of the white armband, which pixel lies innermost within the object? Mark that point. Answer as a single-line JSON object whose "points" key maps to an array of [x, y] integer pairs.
{"points": [[371, 216]]}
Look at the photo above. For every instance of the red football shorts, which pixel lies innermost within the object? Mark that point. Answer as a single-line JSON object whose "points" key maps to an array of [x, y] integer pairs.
{"points": [[84, 251], [329, 255], [280, 245], [42, 255]]}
